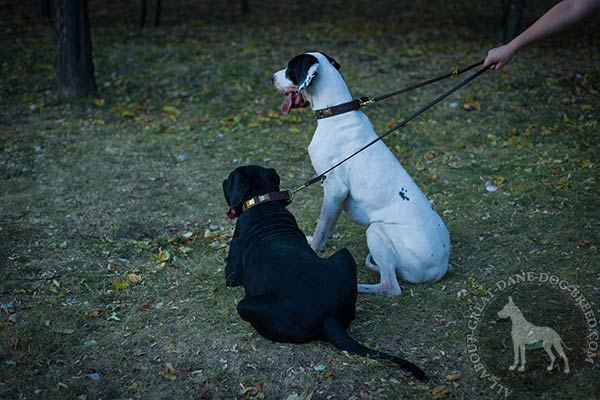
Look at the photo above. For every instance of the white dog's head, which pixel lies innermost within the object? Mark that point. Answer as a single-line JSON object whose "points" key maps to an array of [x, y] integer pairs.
{"points": [[298, 76]]}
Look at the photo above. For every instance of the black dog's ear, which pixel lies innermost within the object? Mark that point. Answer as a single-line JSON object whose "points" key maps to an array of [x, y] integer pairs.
{"points": [[301, 70], [332, 61], [273, 177], [235, 188]]}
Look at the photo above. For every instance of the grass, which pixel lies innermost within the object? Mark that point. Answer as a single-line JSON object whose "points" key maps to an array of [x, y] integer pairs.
{"points": [[112, 222]]}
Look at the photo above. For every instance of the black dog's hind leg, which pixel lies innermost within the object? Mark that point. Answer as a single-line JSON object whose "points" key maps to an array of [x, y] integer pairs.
{"points": [[275, 318]]}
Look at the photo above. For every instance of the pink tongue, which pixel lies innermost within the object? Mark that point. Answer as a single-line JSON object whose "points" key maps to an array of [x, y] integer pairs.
{"points": [[287, 104], [231, 213]]}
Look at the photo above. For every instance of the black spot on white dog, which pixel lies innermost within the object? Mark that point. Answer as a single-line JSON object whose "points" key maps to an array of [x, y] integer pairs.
{"points": [[403, 195]]}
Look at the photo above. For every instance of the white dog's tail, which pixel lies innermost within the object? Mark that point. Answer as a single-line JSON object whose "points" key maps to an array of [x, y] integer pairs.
{"points": [[370, 263]]}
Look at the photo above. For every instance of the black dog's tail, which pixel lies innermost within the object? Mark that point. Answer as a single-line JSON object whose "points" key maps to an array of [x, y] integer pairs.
{"points": [[334, 331]]}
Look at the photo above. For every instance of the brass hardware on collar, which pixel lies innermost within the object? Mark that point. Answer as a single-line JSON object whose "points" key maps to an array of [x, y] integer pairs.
{"points": [[282, 195]]}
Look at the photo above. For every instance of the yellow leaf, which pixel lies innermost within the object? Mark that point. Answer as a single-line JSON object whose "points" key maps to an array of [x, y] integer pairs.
{"points": [[170, 369], [171, 110], [163, 255], [119, 284], [471, 104]]}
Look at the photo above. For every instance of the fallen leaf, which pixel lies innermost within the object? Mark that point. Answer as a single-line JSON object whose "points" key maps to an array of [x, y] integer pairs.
{"points": [[170, 368], [440, 391], [454, 377], [134, 278], [97, 313], [64, 331], [145, 305], [113, 317], [163, 255], [431, 154], [471, 104], [203, 394], [120, 284]]}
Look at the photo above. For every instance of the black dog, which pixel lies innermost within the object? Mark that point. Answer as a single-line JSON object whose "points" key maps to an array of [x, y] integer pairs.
{"points": [[292, 295]]}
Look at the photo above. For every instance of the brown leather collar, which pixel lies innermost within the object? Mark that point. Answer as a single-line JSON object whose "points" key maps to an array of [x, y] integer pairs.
{"points": [[343, 108], [283, 195]]}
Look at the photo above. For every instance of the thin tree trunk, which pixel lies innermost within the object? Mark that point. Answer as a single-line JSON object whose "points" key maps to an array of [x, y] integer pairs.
{"points": [[43, 8], [245, 6], [143, 7], [157, 13], [75, 64]]}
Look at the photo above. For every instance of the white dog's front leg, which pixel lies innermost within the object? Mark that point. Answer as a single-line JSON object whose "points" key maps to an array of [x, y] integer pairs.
{"points": [[330, 212]]}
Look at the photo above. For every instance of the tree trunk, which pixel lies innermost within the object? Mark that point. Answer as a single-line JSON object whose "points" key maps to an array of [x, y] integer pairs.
{"points": [[143, 7], [157, 13], [75, 64], [245, 6], [511, 19], [43, 8]]}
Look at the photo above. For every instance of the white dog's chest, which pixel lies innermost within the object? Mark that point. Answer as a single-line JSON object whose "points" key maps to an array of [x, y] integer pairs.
{"points": [[375, 185]]}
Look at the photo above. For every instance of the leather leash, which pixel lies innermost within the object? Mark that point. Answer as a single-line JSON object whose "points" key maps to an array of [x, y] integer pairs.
{"points": [[322, 176], [359, 102]]}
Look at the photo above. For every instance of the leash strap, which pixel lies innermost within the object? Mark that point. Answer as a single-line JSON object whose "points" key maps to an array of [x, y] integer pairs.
{"points": [[362, 101], [402, 124]]}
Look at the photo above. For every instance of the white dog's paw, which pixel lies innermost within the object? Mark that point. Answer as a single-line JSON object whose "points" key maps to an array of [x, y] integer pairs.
{"points": [[309, 239], [379, 289]]}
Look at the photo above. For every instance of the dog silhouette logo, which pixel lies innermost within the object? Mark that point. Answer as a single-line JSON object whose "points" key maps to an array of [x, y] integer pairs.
{"points": [[525, 334]]}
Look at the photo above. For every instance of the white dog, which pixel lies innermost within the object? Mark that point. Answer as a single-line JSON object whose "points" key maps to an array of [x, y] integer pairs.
{"points": [[404, 235]]}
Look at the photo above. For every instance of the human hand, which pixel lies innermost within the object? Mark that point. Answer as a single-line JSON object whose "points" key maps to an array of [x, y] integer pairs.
{"points": [[499, 57]]}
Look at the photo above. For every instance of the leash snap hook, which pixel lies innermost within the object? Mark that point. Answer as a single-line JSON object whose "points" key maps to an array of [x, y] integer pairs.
{"points": [[365, 101]]}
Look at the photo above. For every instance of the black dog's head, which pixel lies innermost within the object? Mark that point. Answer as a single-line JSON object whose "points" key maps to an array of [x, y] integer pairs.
{"points": [[247, 182], [299, 74]]}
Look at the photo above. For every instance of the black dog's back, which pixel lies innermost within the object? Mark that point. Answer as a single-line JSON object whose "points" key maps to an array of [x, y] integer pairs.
{"points": [[291, 294]]}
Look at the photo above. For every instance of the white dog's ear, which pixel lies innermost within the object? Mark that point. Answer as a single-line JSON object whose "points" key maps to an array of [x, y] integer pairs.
{"points": [[510, 300], [305, 81]]}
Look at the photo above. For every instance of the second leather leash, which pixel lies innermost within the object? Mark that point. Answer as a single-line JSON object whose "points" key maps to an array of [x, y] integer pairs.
{"points": [[416, 114]]}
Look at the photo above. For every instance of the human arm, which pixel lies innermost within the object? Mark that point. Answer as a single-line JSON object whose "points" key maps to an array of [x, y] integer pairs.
{"points": [[556, 19]]}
